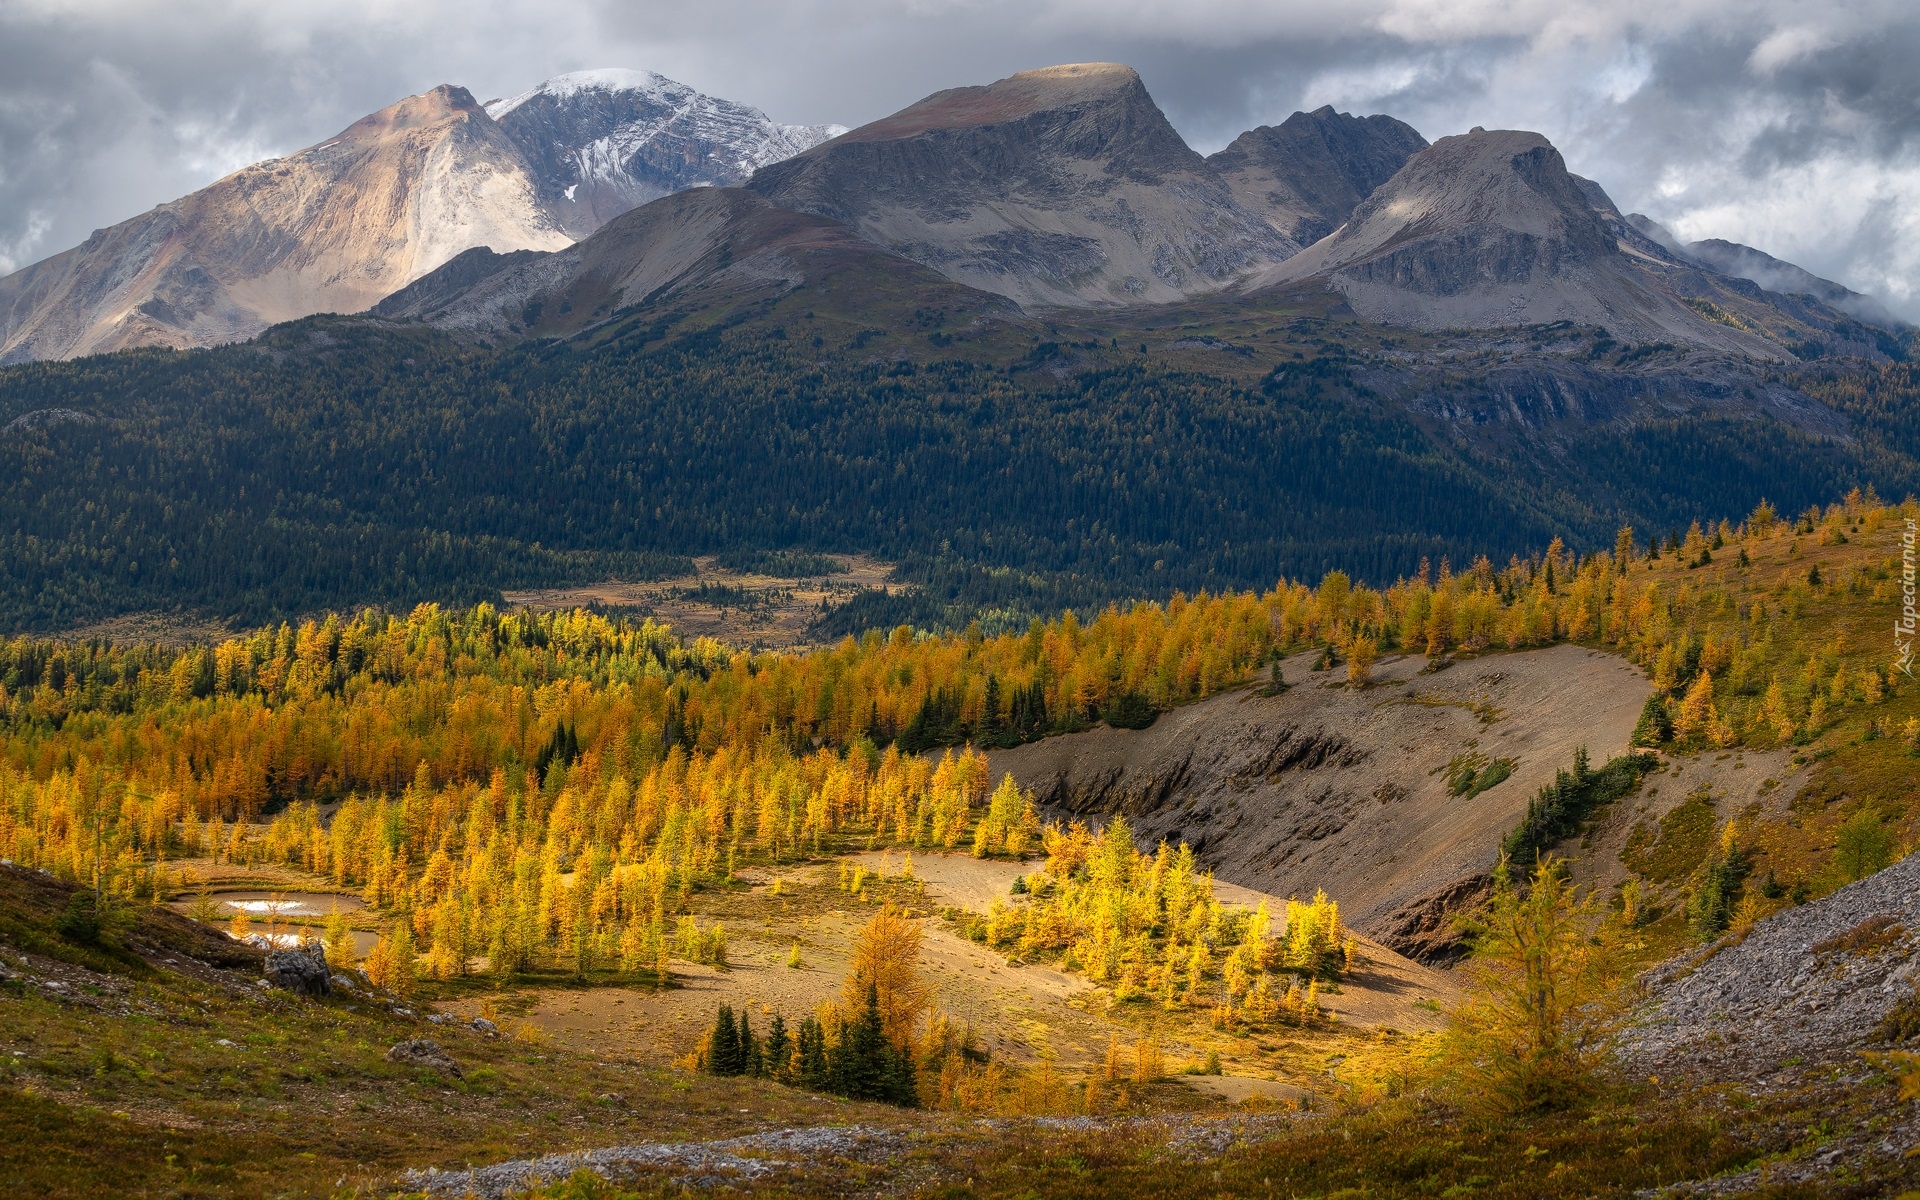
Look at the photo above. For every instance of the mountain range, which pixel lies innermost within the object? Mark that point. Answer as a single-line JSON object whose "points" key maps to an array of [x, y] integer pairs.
{"points": [[1019, 339], [337, 226], [1066, 188], [1059, 188]]}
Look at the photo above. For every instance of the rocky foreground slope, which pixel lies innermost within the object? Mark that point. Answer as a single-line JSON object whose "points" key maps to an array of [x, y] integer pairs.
{"points": [[1792, 1008], [1803, 992]]}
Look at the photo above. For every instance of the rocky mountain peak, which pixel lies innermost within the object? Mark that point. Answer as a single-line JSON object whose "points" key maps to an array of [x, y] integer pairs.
{"points": [[429, 108], [1014, 98], [348, 220], [1488, 228], [1060, 186], [1307, 174], [605, 141], [575, 84], [332, 228], [1504, 179]]}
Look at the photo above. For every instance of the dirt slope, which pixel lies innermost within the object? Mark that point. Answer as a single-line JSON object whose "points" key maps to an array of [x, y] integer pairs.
{"points": [[1325, 786], [1385, 989]]}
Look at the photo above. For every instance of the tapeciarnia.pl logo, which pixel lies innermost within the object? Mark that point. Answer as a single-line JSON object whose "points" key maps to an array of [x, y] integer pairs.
{"points": [[1904, 627]]}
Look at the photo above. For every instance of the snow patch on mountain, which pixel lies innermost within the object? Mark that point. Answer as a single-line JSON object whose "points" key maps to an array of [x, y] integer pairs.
{"points": [[606, 141], [604, 79]]}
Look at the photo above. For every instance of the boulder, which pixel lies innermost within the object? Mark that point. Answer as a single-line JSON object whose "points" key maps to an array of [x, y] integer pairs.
{"points": [[424, 1052], [301, 970]]}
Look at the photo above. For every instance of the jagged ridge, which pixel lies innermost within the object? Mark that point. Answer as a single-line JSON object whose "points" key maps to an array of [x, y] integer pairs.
{"points": [[604, 142]]}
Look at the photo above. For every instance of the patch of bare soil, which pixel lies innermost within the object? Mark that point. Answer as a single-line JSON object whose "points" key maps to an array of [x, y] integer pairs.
{"points": [[1330, 787], [1013, 1011], [166, 629], [762, 611], [1384, 989], [1237, 1089], [955, 879]]}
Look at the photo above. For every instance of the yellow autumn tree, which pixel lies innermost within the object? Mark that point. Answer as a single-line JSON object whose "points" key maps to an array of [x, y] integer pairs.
{"points": [[1696, 713], [1532, 1034], [886, 958]]}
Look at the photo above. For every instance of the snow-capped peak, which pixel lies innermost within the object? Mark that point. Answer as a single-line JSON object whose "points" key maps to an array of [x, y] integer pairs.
{"points": [[603, 142], [603, 79]]}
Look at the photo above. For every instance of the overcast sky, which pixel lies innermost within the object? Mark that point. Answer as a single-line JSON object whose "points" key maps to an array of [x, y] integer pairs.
{"points": [[1790, 126]]}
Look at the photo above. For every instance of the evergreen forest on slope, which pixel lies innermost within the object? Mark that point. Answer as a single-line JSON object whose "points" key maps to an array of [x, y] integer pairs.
{"points": [[338, 462]]}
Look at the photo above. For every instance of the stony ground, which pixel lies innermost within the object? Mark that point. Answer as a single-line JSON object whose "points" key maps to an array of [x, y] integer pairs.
{"points": [[1804, 989], [1790, 1008]]}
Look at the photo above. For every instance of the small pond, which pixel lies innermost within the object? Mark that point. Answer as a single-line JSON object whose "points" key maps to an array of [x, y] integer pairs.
{"points": [[298, 905], [300, 915]]}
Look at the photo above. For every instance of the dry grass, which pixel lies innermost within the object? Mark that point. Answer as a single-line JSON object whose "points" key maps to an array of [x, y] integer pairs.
{"points": [[741, 609]]}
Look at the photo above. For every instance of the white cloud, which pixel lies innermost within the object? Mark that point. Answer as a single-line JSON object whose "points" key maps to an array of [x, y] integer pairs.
{"points": [[1789, 45], [18, 251]]}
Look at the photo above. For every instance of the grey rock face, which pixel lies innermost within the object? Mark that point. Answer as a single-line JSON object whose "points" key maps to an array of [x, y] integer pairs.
{"points": [[604, 142], [424, 1052], [1307, 174], [1810, 984], [1061, 186], [1489, 229], [302, 970]]}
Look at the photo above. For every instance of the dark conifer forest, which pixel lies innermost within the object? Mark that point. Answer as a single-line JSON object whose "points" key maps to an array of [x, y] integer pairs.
{"points": [[338, 462]]}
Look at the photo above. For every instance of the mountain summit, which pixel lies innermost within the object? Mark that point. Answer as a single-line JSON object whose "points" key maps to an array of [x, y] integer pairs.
{"points": [[1060, 186], [331, 228], [350, 220], [1488, 229], [603, 142], [1308, 173]]}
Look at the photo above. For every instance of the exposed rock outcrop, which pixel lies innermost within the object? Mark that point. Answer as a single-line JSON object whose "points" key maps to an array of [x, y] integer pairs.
{"points": [[301, 970], [1306, 175], [1804, 989], [601, 143], [1060, 186], [1327, 787], [426, 1053], [1423, 929], [1489, 229]]}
